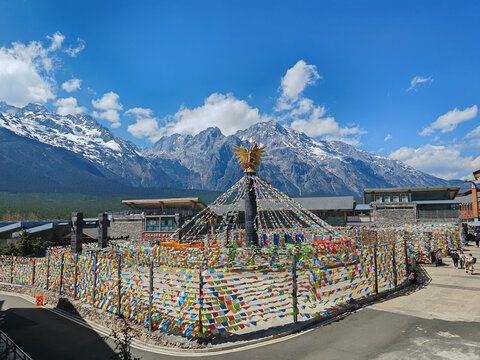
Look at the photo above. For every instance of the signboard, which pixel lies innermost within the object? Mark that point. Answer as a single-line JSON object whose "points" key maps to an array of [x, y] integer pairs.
{"points": [[152, 235]]}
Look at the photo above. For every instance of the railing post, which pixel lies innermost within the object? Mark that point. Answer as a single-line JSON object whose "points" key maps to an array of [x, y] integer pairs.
{"points": [[150, 297], [48, 270], [119, 288], [94, 279], [294, 286], [394, 264], [33, 272], [11, 269], [75, 278], [376, 268], [61, 274]]}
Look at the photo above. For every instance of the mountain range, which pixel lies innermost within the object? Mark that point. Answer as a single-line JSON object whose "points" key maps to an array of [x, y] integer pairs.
{"points": [[41, 150]]}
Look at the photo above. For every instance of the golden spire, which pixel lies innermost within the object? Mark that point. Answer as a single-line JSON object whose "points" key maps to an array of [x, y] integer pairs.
{"points": [[251, 158]]}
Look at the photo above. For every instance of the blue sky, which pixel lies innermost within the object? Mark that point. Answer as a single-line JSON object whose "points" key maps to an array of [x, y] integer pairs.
{"points": [[400, 79]]}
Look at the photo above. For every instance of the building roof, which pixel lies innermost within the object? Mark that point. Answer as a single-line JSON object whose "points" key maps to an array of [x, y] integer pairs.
{"points": [[327, 203], [164, 202], [434, 202], [413, 189], [21, 224]]}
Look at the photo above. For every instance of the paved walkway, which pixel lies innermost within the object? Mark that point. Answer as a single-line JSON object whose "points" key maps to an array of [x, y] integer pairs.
{"points": [[451, 295], [440, 321]]}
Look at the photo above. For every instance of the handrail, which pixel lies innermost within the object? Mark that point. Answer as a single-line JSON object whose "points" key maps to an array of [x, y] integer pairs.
{"points": [[8, 348]]}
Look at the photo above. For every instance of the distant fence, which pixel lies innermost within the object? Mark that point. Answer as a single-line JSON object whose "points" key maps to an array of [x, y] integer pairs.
{"points": [[199, 292], [10, 350]]}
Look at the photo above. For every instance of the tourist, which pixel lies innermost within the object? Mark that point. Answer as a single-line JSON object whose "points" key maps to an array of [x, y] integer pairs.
{"points": [[455, 257], [469, 261], [477, 237], [462, 259], [413, 278]]}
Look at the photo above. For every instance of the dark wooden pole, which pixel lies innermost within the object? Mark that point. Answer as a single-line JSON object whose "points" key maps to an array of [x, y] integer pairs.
{"points": [[61, 275], [75, 278], [394, 264], [119, 288], [94, 278], [294, 286], [150, 297], [33, 272]]}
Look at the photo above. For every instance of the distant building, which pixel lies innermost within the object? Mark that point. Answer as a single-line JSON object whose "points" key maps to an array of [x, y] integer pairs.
{"points": [[396, 206], [154, 218]]}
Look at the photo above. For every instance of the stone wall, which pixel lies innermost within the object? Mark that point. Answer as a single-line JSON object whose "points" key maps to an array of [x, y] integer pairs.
{"points": [[394, 214], [126, 225]]}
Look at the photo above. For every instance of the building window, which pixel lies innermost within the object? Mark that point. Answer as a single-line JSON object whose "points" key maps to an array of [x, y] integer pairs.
{"points": [[386, 199], [152, 224], [168, 224], [378, 198], [404, 198], [396, 198]]}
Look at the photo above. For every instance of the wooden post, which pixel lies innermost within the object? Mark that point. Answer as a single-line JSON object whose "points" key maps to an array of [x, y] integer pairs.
{"points": [[150, 297], [294, 286], [75, 278], [48, 270], [376, 270], [94, 278], [61, 275], [11, 269], [33, 272], [394, 264], [406, 255], [119, 288]]}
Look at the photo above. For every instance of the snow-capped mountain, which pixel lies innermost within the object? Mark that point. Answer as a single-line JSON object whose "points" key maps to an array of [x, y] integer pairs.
{"points": [[294, 162], [116, 158]]}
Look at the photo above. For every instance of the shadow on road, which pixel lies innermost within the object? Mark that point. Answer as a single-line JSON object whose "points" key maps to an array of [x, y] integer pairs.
{"points": [[43, 334]]}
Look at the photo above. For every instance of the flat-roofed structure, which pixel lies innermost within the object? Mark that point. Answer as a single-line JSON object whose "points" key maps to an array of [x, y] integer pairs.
{"points": [[396, 206], [154, 218]]}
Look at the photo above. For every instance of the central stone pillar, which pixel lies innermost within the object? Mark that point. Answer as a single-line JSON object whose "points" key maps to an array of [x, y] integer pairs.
{"points": [[77, 233], [251, 213]]}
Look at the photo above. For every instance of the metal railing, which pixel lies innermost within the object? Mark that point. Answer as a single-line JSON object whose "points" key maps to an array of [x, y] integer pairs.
{"points": [[9, 350]]}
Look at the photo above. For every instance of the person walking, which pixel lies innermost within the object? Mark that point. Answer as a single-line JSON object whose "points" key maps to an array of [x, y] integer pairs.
{"points": [[455, 257], [462, 259], [469, 261], [477, 237]]}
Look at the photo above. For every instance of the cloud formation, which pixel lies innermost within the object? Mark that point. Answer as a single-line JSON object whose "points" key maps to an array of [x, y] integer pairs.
{"points": [[68, 106], [226, 112], [449, 121], [302, 114], [445, 162], [146, 125], [296, 79], [109, 106], [74, 51], [72, 85], [419, 80], [388, 137], [26, 71]]}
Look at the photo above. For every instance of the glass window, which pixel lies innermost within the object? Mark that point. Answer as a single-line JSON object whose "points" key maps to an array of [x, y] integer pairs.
{"points": [[152, 224], [168, 224], [404, 198], [396, 198], [386, 199], [378, 198]]}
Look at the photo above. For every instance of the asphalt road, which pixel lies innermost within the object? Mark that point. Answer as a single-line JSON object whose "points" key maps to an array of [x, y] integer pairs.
{"points": [[367, 334]]}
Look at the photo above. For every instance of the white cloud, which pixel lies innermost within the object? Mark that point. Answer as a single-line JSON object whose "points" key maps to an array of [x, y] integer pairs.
{"points": [[71, 85], [449, 121], [68, 106], [74, 51], [419, 80], [57, 40], [296, 79], [226, 112], [443, 161], [26, 71], [146, 125], [388, 137], [110, 107], [303, 114], [474, 133]]}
